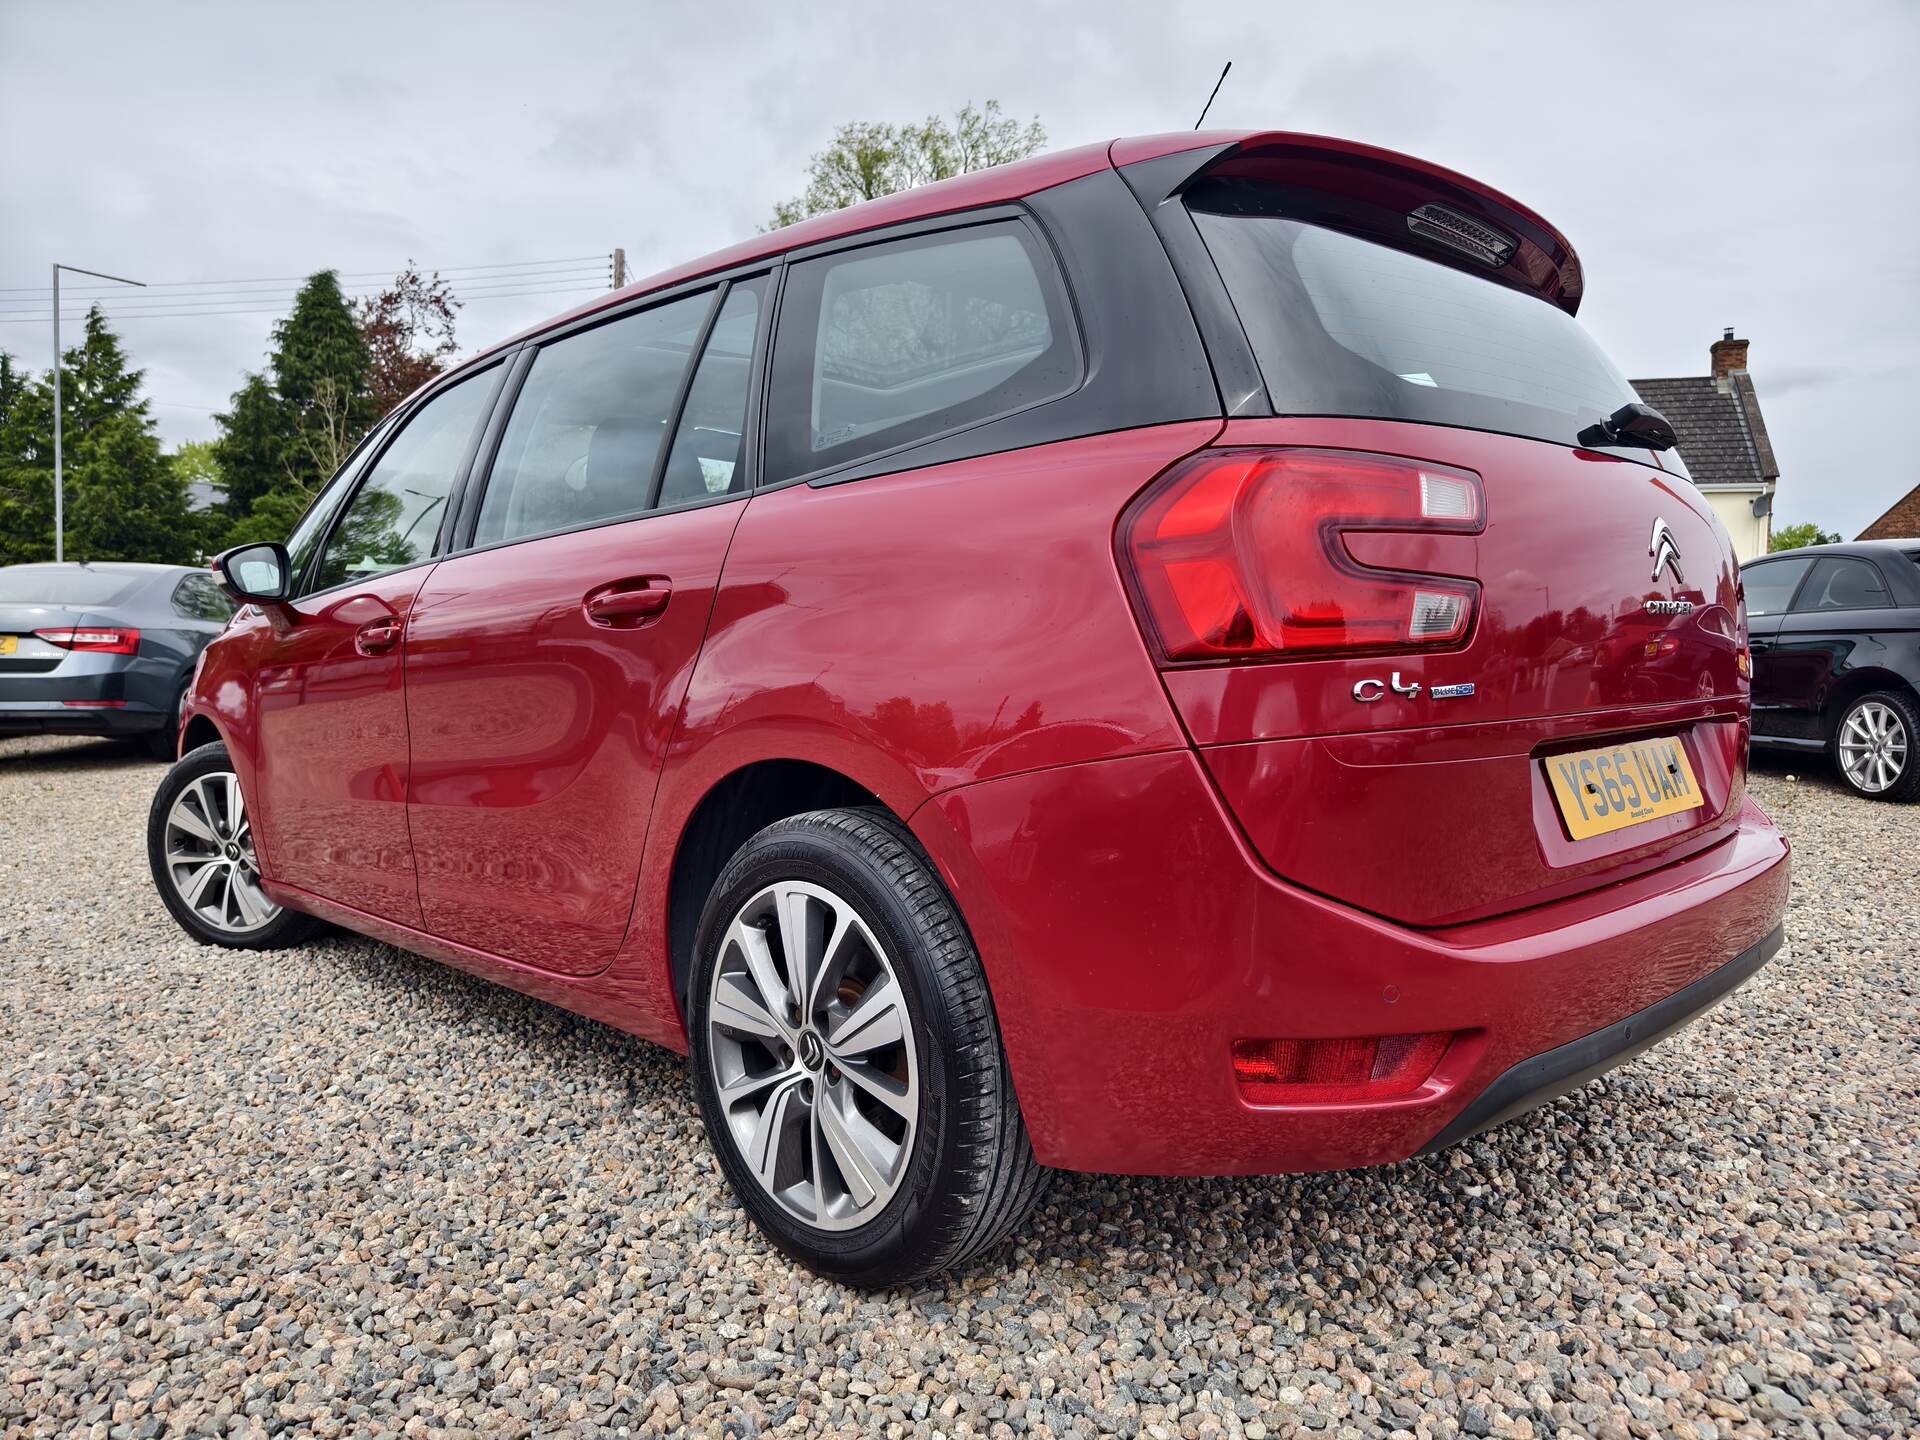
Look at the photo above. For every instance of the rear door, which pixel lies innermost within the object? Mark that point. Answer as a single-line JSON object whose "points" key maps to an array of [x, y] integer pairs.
{"points": [[1829, 629], [330, 807], [546, 665]]}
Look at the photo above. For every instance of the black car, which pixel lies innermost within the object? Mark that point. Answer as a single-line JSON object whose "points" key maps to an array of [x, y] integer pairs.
{"points": [[104, 649], [1835, 631]]}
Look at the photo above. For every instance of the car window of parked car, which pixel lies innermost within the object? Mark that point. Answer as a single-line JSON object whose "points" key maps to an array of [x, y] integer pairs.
{"points": [[589, 422], [1770, 584], [198, 598], [1841, 583], [891, 344], [706, 459], [394, 515]]}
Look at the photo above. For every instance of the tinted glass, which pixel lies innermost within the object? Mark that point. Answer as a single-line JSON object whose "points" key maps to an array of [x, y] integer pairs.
{"points": [[589, 422], [1838, 583], [198, 598], [1770, 586], [705, 459], [893, 343], [394, 516], [1344, 326], [63, 585]]}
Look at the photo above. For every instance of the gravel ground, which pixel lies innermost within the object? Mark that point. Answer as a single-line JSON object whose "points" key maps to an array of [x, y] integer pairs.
{"points": [[340, 1190]]}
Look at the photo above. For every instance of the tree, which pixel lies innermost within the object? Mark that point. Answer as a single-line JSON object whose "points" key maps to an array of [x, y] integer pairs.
{"points": [[124, 501], [255, 436], [320, 374], [869, 159], [1792, 537], [408, 330]]}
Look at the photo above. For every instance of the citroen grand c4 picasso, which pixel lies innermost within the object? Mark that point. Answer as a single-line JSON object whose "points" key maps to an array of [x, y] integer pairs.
{"points": [[1173, 657]]}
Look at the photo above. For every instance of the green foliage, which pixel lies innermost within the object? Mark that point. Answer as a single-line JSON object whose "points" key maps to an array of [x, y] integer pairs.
{"points": [[255, 436], [1792, 537], [124, 501], [196, 462], [272, 517], [869, 159], [320, 374]]}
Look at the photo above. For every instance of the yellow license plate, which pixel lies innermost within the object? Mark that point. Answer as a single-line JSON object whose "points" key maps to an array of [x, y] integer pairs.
{"points": [[1620, 785], [9, 644]]}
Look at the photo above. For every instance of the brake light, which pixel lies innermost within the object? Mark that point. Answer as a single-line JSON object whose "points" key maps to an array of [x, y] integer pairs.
{"points": [[1240, 554], [1319, 1072], [102, 641]]}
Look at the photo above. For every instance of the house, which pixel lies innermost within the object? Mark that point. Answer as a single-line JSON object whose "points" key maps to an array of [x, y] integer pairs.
{"points": [[1724, 442], [1901, 522]]}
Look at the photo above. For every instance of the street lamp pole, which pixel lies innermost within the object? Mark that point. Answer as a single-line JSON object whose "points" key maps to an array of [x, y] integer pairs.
{"points": [[59, 487]]}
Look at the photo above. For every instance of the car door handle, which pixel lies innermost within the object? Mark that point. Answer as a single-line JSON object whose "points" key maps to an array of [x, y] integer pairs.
{"points": [[628, 603], [377, 637]]}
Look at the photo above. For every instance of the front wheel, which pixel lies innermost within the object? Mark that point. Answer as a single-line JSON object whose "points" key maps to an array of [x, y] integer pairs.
{"points": [[1876, 746], [846, 1057], [200, 848]]}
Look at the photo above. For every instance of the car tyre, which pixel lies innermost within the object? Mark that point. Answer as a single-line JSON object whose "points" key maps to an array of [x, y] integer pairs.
{"points": [[1876, 746], [164, 743], [826, 933], [200, 849]]}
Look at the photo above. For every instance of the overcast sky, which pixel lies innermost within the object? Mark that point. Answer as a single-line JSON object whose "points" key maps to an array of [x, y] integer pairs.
{"points": [[1754, 165]]}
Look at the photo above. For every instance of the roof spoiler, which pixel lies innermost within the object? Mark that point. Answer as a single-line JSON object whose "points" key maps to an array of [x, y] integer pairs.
{"points": [[1377, 194]]}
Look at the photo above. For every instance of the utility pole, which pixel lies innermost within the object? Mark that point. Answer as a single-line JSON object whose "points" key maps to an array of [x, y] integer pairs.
{"points": [[619, 267], [59, 487]]}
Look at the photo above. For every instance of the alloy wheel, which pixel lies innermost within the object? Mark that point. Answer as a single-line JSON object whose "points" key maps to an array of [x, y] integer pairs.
{"points": [[1873, 746], [210, 857], [811, 1047]]}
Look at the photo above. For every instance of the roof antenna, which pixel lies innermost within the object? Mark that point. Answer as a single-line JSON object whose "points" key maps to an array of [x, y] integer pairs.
{"points": [[1216, 90]]}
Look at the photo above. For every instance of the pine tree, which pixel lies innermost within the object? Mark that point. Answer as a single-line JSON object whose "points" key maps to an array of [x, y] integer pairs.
{"points": [[320, 373], [252, 449], [123, 500]]}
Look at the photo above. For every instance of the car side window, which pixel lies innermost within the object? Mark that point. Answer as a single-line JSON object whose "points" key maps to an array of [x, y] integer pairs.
{"points": [[312, 527], [1770, 586], [890, 344], [706, 458], [394, 515], [1841, 583], [198, 598], [589, 423]]}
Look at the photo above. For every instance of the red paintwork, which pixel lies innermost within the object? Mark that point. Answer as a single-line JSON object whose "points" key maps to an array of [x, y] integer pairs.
{"points": [[959, 641], [538, 732]]}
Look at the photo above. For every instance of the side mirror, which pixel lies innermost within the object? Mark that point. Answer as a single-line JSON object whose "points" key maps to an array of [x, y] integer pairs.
{"points": [[256, 574]]}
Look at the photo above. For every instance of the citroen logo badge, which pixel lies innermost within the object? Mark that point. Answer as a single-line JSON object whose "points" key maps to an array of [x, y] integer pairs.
{"points": [[1665, 551]]}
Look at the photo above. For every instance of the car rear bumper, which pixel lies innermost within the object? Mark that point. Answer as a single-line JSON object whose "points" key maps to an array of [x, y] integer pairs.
{"points": [[1131, 937], [57, 717]]}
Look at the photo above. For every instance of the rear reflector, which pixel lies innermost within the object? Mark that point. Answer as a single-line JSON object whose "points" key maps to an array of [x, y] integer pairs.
{"points": [[102, 641], [1326, 1072], [1242, 554]]}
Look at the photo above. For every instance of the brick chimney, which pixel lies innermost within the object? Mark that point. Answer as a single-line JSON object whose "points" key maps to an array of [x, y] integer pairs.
{"points": [[1728, 355]]}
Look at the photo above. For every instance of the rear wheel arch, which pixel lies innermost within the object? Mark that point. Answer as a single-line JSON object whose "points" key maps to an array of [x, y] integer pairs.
{"points": [[735, 809], [1855, 683]]}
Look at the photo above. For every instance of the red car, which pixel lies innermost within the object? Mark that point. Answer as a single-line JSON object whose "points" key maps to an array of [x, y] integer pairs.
{"points": [[1178, 656]]}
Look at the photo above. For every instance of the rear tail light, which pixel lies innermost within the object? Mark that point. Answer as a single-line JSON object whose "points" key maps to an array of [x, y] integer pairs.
{"points": [[1241, 554], [1309, 1072], [102, 641]]}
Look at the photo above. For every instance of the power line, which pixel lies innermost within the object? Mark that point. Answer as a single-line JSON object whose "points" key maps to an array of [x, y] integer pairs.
{"points": [[457, 284], [241, 307], [344, 274]]}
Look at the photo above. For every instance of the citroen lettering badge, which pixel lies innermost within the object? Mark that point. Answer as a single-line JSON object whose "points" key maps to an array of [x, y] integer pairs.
{"points": [[1665, 551]]}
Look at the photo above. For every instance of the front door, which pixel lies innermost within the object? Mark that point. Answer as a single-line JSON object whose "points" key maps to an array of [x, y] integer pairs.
{"points": [[332, 778], [545, 670]]}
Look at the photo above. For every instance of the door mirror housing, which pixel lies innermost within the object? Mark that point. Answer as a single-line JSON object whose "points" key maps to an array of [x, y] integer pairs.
{"points": [[256, 574]]}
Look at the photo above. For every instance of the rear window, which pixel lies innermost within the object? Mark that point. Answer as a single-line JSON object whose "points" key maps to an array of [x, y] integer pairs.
{"points": [[1345, 326], [63, 585], [1770, 586]]}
